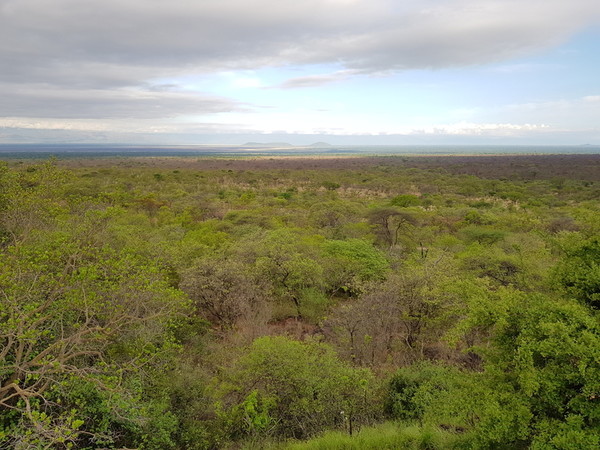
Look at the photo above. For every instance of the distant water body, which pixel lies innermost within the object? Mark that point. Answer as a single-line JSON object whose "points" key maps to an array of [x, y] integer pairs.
{"points": [[71, 151]]}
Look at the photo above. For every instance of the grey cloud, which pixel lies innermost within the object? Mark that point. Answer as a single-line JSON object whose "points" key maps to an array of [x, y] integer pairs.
{"points": [[207, 35], [74, 58], [40, 101], [314, 80]]}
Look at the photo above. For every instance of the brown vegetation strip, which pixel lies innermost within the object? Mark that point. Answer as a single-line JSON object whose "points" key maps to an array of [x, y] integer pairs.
{"points": [[583, 167]]}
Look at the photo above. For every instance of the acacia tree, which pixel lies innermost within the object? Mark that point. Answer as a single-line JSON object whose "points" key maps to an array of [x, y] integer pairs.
{"points": [[289, 262], [390, 223]]}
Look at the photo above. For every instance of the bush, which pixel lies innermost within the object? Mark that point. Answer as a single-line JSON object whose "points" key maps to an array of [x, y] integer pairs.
{"points": [[482, 235], [410, 387], [405, 200], [352, 263], [288, 388], [579, 273]]}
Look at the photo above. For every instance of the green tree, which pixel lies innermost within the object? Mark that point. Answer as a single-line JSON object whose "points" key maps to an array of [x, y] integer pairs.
{"points": [[295, 389], [579, 272], [30, 199], [352, 263], [72, 312], [543, 355], [290, 262], [405, 200]]}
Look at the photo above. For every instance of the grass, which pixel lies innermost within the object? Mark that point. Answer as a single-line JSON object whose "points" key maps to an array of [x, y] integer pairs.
{"points": [[389, 435]]}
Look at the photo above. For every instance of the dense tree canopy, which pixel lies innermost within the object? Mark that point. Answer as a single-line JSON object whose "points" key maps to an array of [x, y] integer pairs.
{"points": [[162, 304]]}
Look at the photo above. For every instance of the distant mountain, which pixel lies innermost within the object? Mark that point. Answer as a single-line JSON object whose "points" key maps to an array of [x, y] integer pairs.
{"points": [[320, 145], [267, 145]]}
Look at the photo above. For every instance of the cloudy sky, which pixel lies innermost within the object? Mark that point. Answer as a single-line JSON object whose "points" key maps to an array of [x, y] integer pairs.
{"points": [[341, 71]]}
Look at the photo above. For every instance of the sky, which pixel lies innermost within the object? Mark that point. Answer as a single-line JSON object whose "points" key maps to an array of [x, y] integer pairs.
{"points": [[388, 72]]}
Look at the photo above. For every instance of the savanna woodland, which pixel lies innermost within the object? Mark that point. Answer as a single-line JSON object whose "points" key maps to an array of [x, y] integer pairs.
{"points": [[367, 303]]}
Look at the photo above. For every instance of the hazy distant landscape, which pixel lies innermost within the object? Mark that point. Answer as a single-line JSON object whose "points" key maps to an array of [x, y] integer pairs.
{"points": [[61, 151]]}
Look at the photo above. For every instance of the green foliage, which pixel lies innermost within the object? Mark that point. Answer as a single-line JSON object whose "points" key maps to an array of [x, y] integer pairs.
{"points": [[186, 389], [544, 357], [299, 389], [579, 272], [495, 281], [81, 324], [68, 310], [412, 388], [313, 304], [391, 225], [288, 261], [223, 291], [353, 262], [333, 218], [387, 436], [331, 185], [493, 263], [405, 200], [482, 235], [475, 217]]}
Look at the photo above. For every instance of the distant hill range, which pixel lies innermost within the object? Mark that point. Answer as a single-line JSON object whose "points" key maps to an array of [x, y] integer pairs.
{"points": [[267, 145], [284, 145], [320, 145]]}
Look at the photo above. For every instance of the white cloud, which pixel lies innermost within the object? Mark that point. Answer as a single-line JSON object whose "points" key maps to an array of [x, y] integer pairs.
{"points": [[478, 129], [304, 121], [52, 124], [577, 114]]}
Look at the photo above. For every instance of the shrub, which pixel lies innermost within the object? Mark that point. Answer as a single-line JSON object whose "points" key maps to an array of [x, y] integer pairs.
{"points": [[296, 389]]}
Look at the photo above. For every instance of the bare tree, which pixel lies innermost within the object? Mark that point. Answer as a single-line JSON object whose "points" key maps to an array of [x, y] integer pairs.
{"points": [[224, 292], [387, 324]]}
